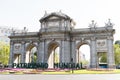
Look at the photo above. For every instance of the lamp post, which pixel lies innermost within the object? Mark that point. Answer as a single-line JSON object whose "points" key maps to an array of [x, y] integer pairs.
{"points": [[72, 65]]}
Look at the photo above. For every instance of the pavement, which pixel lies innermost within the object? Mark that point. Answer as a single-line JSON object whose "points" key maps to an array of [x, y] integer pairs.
{"points": [[60, 77]]}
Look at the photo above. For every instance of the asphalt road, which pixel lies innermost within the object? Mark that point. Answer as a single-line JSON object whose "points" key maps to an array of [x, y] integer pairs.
{"points": [[61, 77]]}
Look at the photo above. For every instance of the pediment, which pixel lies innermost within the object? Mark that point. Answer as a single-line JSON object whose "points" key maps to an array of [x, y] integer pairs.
{"points": [[54, 16]]}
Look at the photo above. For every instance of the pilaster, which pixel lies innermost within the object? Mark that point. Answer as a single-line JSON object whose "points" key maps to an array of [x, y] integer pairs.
{"points": [[73, 50], [65, 51], [41, 52], [45, 51], [23, 52], [93, 63], [11, 59], [110, 53], [38, 50]]}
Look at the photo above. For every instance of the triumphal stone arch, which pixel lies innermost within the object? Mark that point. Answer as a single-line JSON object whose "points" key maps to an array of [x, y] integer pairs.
{"points": [[57, 30]]}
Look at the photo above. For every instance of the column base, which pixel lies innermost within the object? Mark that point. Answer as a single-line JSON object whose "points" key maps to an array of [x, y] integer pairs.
{"points": [[93, 66], [112, 66]]}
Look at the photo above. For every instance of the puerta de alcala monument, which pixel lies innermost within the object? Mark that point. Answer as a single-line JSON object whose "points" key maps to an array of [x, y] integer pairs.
{"points": [[57, 31]]}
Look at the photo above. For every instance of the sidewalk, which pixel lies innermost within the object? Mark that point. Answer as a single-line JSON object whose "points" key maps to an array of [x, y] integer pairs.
{"points": [[61, 77]]}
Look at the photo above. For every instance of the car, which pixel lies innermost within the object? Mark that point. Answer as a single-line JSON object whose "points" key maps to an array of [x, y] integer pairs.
{"points": [[118, 66]]}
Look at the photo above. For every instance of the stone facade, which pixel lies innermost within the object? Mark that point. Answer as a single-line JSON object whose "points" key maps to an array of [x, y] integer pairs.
{"points": [[57, 31]]}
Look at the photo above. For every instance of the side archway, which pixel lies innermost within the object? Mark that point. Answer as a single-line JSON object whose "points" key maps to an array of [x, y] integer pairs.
{"points": [[83, 53], [53, 54], [31, 53]]}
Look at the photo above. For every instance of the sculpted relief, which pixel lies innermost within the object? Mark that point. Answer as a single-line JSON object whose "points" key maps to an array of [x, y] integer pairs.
{"points": [[101, 45], [17, 48]]}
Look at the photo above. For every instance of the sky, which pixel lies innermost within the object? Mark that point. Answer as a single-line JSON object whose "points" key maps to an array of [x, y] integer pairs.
{"points": [[27, 13]]}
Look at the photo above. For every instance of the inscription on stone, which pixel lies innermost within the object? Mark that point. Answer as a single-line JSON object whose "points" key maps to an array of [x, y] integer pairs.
{"points": [[53, 24]]}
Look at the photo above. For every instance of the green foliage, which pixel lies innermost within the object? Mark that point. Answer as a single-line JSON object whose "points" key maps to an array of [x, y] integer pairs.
{"points": [[103, 58], [117, 42], [35, 57], [56, 56], [85, 62], [117, 53], [4, 53]]}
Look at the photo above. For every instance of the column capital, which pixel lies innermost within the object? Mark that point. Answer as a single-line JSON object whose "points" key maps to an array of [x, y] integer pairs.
{"points": [[38, 42], [11, 42], [23, 42], [110, 37], [93, 38], [42, 39], [72, 39]]}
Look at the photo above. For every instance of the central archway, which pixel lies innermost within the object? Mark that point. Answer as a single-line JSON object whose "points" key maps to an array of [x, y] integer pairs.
{"points": [[83, 54], [53, 54]]}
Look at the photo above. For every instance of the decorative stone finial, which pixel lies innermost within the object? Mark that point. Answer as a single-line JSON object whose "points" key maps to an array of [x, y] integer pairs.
{"points": [[109, 24], [73, 23], [25, 30], [60, 11], [13, 31], [93, 24], [45, 13]]}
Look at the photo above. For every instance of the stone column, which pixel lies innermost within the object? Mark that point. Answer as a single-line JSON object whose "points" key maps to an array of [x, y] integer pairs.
{"points": [[65, 51], [62, 52], [45, 51], [97, 60], [41, 52], [38, 49], [23, 52], [93, 54], [77, 53], [11, 57], [73, 51], [110, 53]]}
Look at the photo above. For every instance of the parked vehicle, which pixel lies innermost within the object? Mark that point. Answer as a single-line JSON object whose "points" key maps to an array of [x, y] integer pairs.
{"points": [[118, 66]]}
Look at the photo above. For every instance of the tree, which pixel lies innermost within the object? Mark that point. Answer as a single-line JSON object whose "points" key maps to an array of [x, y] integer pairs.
{"points": [[103, 58], [117, 42], [4, 53], [35, 57], [56, 57], [117, 53], [84, 62]]}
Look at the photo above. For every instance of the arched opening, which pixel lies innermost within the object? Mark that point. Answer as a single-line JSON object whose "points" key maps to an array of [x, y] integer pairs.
{"points": [[17, 54], [83, 55], [17, 58], [53, 54], [102, 59], [31, 54]]}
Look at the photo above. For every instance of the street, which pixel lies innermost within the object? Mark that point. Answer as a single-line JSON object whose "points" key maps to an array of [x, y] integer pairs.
{"points": [[61, 77]]}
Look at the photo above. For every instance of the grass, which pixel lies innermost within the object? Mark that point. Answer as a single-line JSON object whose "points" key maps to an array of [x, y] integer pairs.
{"points": [[86, 72], [91, 72], [116, 71]]}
